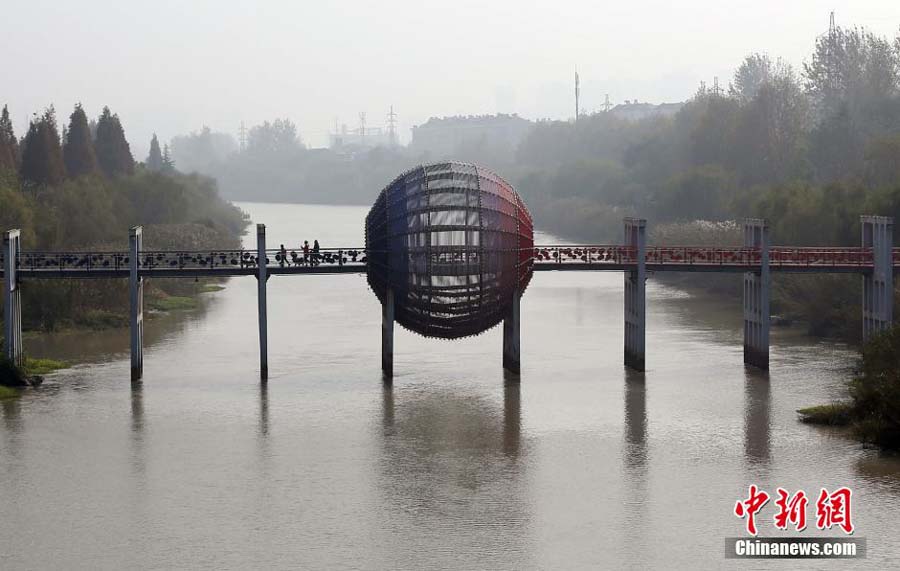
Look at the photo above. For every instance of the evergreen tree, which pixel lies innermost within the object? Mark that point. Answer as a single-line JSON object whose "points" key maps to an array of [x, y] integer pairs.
{"points": [[42, 162], [168, 163], [113, 151], [9, 146], [155, 158], [78, 150]]}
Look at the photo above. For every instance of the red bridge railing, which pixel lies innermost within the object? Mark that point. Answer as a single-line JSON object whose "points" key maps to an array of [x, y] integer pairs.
{"points": [[707, 256]]}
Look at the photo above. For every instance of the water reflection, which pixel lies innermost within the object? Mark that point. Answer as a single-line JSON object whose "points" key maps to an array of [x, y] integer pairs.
{"points": [[263, 409], [512, 417], [387, 408], [12, 424], [634, 459], [757, 406], [453, 456], [635, 454], [138, 455], [882, 469], [74, 346], [440, 420]]}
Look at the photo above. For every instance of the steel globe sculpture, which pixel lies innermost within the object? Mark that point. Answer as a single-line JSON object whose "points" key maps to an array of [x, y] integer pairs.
{"points": [[452, 243]]}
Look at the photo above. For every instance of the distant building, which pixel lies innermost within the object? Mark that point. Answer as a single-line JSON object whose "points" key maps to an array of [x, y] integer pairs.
{"points": [[634, 111], [360, 138], [445, 137]]}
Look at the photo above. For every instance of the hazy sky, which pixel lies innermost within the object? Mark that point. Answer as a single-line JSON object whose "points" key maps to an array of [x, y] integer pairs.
{"points": [[171, 67]]}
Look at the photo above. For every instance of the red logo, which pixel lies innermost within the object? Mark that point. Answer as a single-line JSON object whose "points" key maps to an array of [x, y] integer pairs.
{"points": [[750, 507], [834, 509], [791, 510], [831, 509]]}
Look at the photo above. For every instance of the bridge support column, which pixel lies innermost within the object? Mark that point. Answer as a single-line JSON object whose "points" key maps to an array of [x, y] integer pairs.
{"points": [[757, 292], [387, 334], [261, 277], [635, 295], [136, 300], [512, 350], [12, 299], [878, 286]]}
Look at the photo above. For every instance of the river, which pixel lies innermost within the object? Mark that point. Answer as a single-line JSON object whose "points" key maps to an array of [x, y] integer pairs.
{"points": [[581, 465]]}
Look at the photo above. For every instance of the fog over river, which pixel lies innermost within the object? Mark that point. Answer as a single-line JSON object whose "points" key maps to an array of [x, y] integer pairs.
{"points": [[581, 465]]}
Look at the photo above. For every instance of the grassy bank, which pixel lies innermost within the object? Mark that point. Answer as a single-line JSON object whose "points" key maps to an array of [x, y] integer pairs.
{"points": [[43, 366], [31, 372], [8, 392], [834, 414]]}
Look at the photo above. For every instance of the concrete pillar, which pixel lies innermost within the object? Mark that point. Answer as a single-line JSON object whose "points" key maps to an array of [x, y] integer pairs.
{"points": [[12, 299], [757, 291], [512, 350], [635, 295], [136, 300], [387, 334], [261, 277], [878, 286]]}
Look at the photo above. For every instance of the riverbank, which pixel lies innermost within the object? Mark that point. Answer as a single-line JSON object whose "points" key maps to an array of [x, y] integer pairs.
{"points": [[31, 373]]}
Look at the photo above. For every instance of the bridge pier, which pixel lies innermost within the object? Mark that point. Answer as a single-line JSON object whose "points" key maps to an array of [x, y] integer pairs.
{"points": [[878, 286], [12, 299], [512, 350], [261, 277], [136, 300], [387, 334], [757, 292], [635, 295]]}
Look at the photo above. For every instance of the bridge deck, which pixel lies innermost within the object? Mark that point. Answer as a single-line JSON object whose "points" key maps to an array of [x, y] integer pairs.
{"points": [[224, 263]]}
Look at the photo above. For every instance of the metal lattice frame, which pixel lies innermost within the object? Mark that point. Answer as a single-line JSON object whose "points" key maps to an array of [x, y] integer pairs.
{"points": [[454, 242]]}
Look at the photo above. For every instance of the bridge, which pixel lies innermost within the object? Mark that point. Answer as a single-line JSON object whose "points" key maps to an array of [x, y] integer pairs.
{"points": [[875, 259]]}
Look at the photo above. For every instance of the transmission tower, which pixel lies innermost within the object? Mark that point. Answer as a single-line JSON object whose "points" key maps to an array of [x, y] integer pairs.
{"points": [[242, 137], [577, 95], [606, 104], [362, 126], [392, 127]]}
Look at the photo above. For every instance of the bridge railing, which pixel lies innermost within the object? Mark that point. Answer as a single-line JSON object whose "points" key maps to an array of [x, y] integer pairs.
{"points": [[703, 256], [674, 256], [823, 257], [241, 259], [613, 254], [193, 260]]}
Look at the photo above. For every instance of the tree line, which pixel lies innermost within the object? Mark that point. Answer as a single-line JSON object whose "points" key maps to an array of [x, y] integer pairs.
{"points": [[82, 189], [274, 165], [808, 149], [43, 157]]}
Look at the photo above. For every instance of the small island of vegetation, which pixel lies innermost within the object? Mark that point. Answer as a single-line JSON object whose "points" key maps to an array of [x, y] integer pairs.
{"points": [[872, 409]]}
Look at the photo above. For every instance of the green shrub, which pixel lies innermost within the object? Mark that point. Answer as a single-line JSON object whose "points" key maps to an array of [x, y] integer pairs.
{"points": [[876, 391]]}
